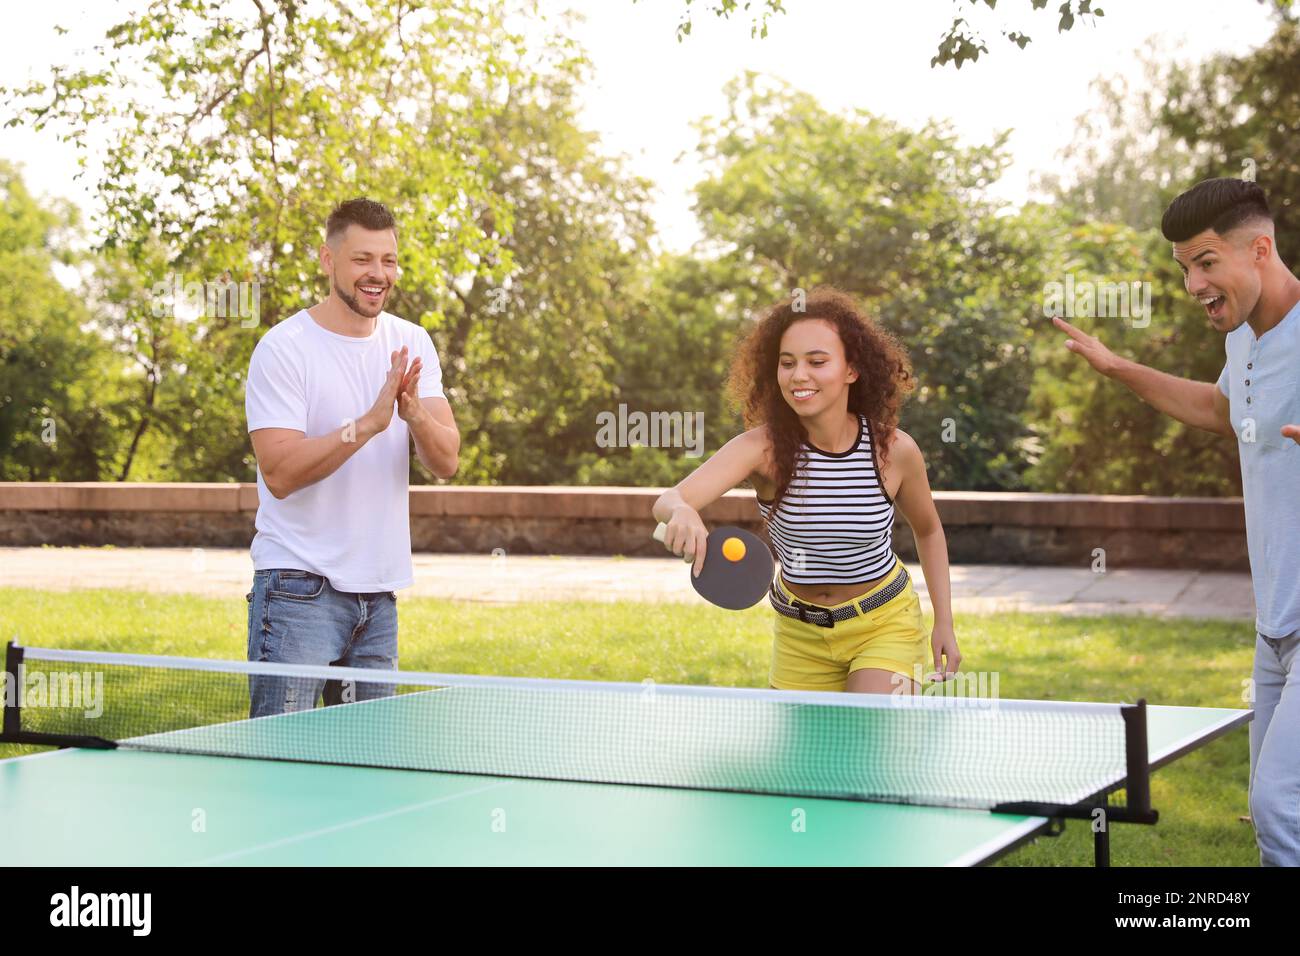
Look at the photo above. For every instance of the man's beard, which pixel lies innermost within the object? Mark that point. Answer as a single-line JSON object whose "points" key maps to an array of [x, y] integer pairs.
{"points": [[356, 305]]}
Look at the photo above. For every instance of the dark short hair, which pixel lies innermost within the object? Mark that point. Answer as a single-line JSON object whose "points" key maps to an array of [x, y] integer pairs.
{"points": [[365, 213], [1218, 204]]}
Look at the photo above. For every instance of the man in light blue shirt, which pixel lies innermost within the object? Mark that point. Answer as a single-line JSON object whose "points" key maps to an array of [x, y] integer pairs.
{"points": [[1223, 240]]}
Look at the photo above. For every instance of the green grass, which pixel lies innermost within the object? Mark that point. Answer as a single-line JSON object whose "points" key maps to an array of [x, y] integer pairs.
{"points": [[1195, 663]]}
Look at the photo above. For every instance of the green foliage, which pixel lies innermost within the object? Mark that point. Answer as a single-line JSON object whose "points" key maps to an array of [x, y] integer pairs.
{"points": [[517, 237], [1232, 109], [672, 348], [1130, 160], [1123, 165], [529, 345], [723, 9], [526, 252], [963, 42], [960, 43], [1096, 436], [802, 197], [268, 121], [60, 387]]}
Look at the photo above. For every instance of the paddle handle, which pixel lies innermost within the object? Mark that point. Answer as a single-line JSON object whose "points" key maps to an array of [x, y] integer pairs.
{"points": [[660, 531]]}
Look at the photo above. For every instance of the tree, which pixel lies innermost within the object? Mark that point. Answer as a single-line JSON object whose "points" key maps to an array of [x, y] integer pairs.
{"points": [[1219, 118], [900, 218], [529, 340], [1095, 436], [517, 236], [1236, 111], [226, 140], [60, 388], [1123, 164], [672, 348]]}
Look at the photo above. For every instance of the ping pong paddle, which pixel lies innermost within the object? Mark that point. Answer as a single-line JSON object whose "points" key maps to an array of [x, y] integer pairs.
{"points": [[737, 568]]}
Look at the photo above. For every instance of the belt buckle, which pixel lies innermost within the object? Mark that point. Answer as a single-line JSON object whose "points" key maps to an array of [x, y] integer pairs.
{"points": [[804, 608]]}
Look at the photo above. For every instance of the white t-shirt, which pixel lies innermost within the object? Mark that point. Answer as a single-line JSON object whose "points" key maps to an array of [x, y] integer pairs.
{"points": [[352, 527]]}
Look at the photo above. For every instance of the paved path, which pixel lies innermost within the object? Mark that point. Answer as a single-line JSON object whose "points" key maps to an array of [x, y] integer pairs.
{"points": [[977, 588]]}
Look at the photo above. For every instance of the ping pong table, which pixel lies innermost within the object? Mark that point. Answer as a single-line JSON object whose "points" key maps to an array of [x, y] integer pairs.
{"points": [[123, 806]]}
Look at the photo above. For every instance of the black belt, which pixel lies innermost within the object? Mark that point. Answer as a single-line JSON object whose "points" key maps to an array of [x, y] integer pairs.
{"points": [[824, 616]]}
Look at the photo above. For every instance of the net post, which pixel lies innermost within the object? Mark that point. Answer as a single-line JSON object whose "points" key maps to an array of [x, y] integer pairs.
{"points": [[1138, 767], [12, 725]]}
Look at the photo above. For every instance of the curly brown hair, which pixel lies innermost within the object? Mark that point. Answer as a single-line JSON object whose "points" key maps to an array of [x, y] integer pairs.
{"points": [[884, 377]]}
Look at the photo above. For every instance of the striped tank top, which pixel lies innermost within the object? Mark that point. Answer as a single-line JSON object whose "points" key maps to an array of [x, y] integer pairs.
{"points": [[836, 522]]}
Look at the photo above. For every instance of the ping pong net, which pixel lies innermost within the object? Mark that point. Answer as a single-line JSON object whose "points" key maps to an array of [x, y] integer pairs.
{"points": [[1013, 756]]}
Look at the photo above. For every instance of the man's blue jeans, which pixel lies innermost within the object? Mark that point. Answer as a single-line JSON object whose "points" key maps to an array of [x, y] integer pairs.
{"points": [[296, 617]]}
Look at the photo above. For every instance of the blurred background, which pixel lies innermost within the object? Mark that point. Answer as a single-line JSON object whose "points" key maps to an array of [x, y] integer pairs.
{"points": [[596, 197]]}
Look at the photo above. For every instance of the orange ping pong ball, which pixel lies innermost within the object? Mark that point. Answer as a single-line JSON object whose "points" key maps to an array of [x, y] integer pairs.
{"points": [[733, 549]]}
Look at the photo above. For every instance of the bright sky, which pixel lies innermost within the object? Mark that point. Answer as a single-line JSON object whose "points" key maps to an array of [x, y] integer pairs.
{"points": [[648, 88]]}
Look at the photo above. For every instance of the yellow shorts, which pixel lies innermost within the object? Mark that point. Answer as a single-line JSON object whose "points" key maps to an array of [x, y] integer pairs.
{"points": [[892, 637]]}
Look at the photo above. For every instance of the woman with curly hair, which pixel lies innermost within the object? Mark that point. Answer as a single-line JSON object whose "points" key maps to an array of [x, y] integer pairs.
{"points": [[821, 385]]}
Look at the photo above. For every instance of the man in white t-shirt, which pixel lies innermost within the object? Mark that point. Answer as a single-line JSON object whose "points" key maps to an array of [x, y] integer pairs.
{"points": [[333, 539]]}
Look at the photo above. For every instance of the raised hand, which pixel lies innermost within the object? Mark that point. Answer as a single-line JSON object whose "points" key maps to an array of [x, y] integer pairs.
{"points": [[1089, 346], [381, 413], [409, 408]]}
